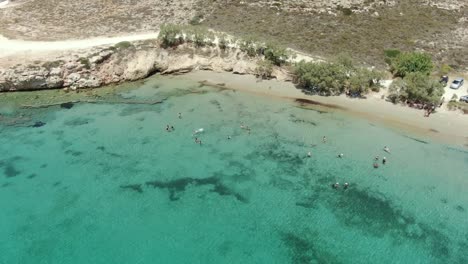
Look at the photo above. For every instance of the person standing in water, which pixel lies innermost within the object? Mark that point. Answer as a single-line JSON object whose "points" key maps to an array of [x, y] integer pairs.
{"points": [[309, 154], [324, 139], [180, 115], [384, 160], [340, 155], [346, 185]]}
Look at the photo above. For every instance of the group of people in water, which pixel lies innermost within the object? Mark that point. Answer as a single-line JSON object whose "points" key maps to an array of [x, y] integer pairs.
{"points": [[384, 159], [336, 185]]}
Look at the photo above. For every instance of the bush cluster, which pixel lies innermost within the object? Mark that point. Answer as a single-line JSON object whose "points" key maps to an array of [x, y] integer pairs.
{"points": [[264, 69], [173, 35], [416, 87], [408, 62], [327, 78]]}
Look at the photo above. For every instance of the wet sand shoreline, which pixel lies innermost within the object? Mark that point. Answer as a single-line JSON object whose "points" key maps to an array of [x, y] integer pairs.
{"points": [[443, 126]]}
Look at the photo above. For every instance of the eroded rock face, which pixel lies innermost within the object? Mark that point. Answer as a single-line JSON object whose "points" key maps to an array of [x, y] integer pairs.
{"points": [[109, 65]]}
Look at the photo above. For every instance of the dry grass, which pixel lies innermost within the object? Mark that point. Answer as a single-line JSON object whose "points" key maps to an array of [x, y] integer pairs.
{"points": [[64, 19], [362, 35]]}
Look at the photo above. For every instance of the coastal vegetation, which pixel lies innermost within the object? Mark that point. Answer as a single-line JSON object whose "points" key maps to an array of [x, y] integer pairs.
{"points": [[413, 83], [409, 62], [123, 45], [264, 69], [171, 36], [416, 87], [334, 78]]}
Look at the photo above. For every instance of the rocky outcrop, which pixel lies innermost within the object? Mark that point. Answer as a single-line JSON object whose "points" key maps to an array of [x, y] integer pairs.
{"points": [[109, 65]]}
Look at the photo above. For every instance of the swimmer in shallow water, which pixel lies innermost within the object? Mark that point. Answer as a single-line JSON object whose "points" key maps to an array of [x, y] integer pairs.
{"points": [[324, 139], [228, 137], [309, 154], [180, 115], [346, 185], [384, 160], [386, 149], [340, 155], [336, 185], [376, 157]]}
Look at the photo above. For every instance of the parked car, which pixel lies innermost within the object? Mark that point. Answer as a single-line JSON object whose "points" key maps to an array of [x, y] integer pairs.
{"points": [[464, 99], [444, 79], [457, 83]]}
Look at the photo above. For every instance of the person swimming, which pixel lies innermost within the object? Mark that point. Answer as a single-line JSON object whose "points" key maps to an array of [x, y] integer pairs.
{"points": [[309, 154], [346, 185], [384, 160], [336, 185], [324, 139], [180, 115], [376, 165], [172, 128], [340, 155], [386, 149], [228, 137], [167, 128], [376, 157]]}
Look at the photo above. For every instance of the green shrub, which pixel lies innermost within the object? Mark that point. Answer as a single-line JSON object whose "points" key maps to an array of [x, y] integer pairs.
{"points": [[390, 55], [123, 45], [223, 42], [276, 54], [444, 69], [334, 78], [248, 46], [320, 78], [264, 69], [170, 35], [52, 64], [411, 62], [85, 61], [416, 87], [362, 80], [196, 20], [345, 60]]}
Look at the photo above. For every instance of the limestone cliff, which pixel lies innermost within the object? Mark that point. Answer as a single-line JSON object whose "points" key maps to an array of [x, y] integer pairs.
{"points": [[107, 65]]}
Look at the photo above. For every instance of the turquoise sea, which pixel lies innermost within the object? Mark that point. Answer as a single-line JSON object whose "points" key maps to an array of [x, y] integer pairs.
{"points": [[104, 182]]}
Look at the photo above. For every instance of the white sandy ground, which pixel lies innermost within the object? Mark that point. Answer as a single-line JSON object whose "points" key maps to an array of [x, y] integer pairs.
{"points": [[444, 126], [10, 47], [4, 4]]}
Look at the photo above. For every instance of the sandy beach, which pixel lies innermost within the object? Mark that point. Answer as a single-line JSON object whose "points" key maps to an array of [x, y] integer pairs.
{"points": [[444, 126]]}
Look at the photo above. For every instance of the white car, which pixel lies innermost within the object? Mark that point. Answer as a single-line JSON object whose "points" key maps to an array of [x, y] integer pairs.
{"points": [[457, 83]]}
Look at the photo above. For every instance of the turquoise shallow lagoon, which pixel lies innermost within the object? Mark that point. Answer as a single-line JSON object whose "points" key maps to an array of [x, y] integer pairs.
{"points": [[106, 183]]}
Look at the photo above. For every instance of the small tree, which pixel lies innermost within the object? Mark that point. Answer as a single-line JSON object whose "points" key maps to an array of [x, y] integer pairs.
{"points": [[406, 63], [248, 46], [416, 87], [264, 69], [390, 55], [170, 35], [223, 42], [276, 54], [321, 78]]}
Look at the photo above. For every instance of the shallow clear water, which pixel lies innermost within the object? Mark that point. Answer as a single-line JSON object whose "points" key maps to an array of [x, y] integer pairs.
{"points": [[106, 183]]}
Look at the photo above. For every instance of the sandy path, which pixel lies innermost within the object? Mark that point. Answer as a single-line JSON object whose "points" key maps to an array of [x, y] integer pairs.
{"points": [[10, 47]]}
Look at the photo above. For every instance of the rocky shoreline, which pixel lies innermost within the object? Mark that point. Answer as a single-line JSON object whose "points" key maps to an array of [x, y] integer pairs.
{"points": [[124, 62]]}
